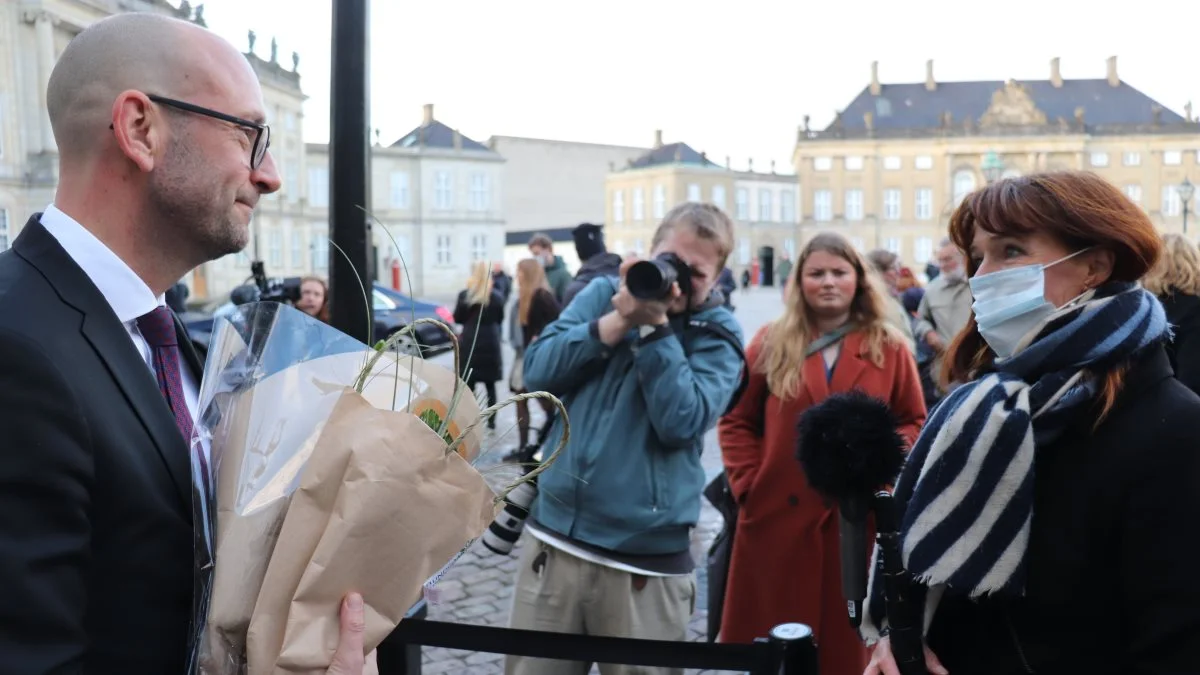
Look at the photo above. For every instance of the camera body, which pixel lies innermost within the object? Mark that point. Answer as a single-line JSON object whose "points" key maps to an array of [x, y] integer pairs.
{"points": [[505, 530], [266, 289], [652, 279]]}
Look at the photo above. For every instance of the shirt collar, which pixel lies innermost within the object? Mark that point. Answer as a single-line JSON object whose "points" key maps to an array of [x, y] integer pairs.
{"points": [[124, 290]]}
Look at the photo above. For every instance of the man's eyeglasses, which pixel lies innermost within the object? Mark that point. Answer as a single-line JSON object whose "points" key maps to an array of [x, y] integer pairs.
{"points": [[262, 136]]}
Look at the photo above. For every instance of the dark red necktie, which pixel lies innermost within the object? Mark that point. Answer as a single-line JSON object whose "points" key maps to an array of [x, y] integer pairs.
{"points": [[158, 329]]}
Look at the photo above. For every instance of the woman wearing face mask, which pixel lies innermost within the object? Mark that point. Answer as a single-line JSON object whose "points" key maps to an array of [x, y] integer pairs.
{"points": [[1049, 501], [835, 335]]}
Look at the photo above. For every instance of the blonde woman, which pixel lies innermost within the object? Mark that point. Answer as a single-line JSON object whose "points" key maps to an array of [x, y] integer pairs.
{"points": [[1176, 282], [834, 336], [536, 309], [480, 312]]}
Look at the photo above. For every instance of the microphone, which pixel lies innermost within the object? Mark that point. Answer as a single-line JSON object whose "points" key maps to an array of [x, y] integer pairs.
{"points": [[849, 449]]}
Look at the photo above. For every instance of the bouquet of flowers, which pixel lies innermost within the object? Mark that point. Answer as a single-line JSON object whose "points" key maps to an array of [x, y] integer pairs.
{"points": [[323, 466]]}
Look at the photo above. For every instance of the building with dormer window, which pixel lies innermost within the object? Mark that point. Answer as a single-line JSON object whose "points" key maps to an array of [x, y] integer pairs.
{"points": [[892, 166]]}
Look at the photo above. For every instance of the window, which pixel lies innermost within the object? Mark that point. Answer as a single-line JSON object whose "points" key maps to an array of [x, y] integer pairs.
{"points": [[718, 196], [399, 190], [442, 250], [297, 249], [660, 201], [743, 203], [638, 248], [1172, 157], [320, 251], [924, 204], [479, 198], [693, 192], [639, 204], [823, 205], [854, 204], [443, 197], [275, 248], [787, 206], [789, 245], [289, 121], [891, 204], [744, 250], [1170, 200], [892, 163], [923, 250], [291, 180], [619, 206], [923, 162], [857, 243], [1099, 159], [1134, 192], [854, 163], [765, 214], [894, 245], [479, 247], [822, 163], [4, 234], [1131, 158], [318, 186], [964, 183]]}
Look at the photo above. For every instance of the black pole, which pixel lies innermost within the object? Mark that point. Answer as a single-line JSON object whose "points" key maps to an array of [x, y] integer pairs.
{"points": [[350, 172]]}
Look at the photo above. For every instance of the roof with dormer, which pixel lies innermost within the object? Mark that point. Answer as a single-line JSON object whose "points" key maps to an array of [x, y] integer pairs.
{"points": [[672, 153], [437, 135], [913, 106]]}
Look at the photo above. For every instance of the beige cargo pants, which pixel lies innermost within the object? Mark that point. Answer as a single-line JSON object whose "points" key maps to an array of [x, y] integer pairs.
{"points": [[572, 595]]}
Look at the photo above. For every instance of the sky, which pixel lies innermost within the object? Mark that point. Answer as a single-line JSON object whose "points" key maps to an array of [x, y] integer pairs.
{"points": [[729, 78]]}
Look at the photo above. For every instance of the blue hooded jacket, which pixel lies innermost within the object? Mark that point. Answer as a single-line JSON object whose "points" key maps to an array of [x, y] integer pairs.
{"points": [[630, 479]]}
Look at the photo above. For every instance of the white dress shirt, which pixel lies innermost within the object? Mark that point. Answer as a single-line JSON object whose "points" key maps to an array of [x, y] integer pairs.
{"points": [[124, 290]]}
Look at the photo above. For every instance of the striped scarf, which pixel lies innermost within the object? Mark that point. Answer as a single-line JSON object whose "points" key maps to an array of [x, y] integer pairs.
{"points": [[967, 486]]}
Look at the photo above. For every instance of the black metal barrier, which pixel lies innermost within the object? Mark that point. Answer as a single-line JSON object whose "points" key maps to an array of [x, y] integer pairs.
{"points": [[789, 650]]}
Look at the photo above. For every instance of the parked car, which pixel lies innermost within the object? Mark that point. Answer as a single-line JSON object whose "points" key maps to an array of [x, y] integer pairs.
{"points": [[393, 310]]}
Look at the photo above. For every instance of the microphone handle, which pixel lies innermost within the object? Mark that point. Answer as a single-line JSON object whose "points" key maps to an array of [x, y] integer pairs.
{"points": [[903, 615], [852, 541]]}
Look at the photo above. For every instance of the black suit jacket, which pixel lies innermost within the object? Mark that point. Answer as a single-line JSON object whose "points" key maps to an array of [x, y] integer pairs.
{"points": [[96, 540]]}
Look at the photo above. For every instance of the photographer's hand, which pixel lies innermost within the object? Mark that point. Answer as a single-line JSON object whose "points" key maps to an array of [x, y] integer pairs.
{"points": [[643, 312]]}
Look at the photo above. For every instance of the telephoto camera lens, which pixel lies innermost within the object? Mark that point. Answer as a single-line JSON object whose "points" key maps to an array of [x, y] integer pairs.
{"points": [[504, 532], [650, 279]]}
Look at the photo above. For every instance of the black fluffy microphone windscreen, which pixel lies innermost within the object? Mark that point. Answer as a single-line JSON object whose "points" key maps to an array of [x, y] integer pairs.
{"points": [[848, 446]]}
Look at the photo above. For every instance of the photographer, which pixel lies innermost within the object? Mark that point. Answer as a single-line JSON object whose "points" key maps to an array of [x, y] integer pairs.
{"points": [[611, 525]]}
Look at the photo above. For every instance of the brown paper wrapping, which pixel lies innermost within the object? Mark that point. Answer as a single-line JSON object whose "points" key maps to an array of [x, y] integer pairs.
{"points": [[264, 446], [381, 508]]}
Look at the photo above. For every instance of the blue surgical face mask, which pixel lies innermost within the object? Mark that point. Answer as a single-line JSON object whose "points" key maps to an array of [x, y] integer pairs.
{"points": [[1011, 303]]}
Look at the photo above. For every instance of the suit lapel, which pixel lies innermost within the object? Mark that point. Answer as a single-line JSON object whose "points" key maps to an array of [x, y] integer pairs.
{"points": [[112, 344]]}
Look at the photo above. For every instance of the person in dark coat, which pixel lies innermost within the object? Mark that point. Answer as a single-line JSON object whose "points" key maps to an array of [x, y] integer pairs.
{"points": [[501, 281], [536, 309], [728, 285], [176, 297], [480, 312], [597, 261], [1050, 499], [542, 248], [1176, 282]]}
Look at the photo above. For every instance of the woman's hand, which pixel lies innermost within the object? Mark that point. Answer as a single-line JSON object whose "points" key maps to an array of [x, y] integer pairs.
{"points": [[882, 662]]}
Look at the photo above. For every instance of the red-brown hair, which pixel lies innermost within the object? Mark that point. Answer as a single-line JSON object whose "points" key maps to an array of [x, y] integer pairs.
{"points": [[1079, 209]]}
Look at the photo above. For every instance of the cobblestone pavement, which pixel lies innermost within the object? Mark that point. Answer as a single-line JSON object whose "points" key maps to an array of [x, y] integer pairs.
{"points": [[478, 588]]}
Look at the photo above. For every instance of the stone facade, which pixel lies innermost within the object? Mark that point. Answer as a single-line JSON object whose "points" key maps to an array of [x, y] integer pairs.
{"points": [[891, 168]]}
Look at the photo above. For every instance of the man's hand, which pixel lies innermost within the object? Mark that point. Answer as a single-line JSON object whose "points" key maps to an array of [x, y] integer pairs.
{"points": [[643, 312], [349, 659], [934, 340]]}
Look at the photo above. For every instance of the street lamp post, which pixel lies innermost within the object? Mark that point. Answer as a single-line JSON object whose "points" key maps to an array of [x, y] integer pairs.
{"points": [[993, 166], [350, 258], [1186, 190]]}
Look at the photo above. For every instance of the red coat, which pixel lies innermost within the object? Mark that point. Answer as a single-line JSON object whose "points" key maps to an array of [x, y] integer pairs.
{"points": [[786, 565]]}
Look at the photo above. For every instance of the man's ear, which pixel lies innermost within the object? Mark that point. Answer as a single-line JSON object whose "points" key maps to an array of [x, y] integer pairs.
{"points": [[137, 128]]}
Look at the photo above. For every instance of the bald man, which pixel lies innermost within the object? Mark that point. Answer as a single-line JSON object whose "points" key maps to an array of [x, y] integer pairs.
{"points": [[163, 156]]}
